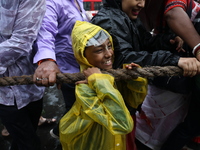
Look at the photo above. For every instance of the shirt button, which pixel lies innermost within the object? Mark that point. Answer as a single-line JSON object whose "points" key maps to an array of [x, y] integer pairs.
{"points": [[118, 144]]}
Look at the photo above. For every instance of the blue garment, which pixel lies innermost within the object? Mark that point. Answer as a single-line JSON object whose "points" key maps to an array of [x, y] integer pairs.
{"points": [[54, 40], [20, 21]]}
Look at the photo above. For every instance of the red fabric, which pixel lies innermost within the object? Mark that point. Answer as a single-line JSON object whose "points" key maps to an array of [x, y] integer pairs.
{"points": [[41, 61], [169, 4], [195, 52], [196, 139], [143, 116], [130, 138]]}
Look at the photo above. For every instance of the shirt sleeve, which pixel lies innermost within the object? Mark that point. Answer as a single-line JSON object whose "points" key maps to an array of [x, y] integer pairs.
{"points": [[25, 28], [104, 104], [169, 4], [46, 37]]}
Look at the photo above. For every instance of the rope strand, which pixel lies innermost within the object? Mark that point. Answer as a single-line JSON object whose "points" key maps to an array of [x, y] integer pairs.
{"points": [[118, 74]]}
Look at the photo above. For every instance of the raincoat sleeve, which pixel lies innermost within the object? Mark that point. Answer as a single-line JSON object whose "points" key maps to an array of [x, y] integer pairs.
{"points": [[133, 91], [102, 103]]}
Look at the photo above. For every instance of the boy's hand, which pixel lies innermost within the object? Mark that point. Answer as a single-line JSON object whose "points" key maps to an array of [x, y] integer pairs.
{"points": [[131, 66], [179, 42], [87, 72]]}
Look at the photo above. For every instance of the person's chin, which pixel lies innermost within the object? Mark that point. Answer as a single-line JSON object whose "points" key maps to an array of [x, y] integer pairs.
{"points": [[133, 17], [107, 68]]}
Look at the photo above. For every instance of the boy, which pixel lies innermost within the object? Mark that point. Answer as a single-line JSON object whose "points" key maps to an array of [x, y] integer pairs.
{"points": [[99, 119]]}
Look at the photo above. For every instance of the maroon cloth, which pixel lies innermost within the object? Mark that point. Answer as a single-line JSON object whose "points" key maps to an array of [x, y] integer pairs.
{"points": [[130, 138]]}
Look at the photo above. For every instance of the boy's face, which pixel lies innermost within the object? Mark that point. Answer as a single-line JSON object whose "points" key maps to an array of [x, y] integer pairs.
{"points": [[100, 56], [132, 7]]}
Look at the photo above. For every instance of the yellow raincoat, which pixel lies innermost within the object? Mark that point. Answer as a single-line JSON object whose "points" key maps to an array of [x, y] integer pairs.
{"points": [[99, 119]]}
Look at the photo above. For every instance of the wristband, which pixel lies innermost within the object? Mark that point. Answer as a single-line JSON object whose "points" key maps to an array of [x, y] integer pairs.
{"points": [[39, 62], [195, 49], [197, 53]]}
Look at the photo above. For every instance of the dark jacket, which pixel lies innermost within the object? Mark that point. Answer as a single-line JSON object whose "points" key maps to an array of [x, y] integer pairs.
{"points": [[132, 42]]}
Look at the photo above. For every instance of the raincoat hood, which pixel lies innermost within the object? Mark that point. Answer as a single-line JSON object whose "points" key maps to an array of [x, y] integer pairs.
{"points": [[113, 3], [82, 32]]}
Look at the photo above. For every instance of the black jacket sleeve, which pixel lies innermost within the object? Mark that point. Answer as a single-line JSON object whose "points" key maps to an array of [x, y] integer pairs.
{"points": [[153, 43], [128, 41]]}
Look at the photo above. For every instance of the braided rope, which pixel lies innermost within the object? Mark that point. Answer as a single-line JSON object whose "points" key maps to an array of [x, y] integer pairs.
{"points": [[118, 74]]}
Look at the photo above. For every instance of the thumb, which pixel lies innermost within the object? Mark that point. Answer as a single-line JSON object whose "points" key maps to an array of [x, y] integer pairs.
{"points": [[172, 41], [81, 82]]}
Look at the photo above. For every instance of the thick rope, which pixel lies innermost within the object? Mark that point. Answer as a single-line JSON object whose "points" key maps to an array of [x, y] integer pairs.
{"points": [[118, 74]]}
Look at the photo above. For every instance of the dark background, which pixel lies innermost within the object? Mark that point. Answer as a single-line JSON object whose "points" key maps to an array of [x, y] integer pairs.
{"points": [[53, 108]]}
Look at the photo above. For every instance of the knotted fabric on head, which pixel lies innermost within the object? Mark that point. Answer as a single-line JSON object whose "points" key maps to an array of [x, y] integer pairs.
{"points": [[98, 39]]}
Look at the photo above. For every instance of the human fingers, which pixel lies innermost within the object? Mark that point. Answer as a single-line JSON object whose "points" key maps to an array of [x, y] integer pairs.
{"points": [[195, 67], [179, 43], [81, 82], [52, 79], [172, 41], [198, 66], [58, 85], [45, 74], [189, 66], [47, 81], [131, 66], [37, 76], [134, 65], [192, 69], [43, 81], [89, 71], [180, 49]]}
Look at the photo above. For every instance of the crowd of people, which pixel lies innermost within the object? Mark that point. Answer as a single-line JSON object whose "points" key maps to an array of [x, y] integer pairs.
{"points": [[47, 37]]}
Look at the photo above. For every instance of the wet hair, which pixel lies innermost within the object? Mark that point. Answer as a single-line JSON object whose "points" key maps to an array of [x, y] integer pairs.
{"points": [[113, 3]]}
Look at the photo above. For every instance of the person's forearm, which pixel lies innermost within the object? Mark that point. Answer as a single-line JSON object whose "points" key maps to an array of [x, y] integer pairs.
{"points": [[181, 24], [47, 34]]}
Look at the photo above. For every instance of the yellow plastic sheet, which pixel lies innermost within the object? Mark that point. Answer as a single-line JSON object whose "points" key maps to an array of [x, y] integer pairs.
{"points": [[99, 119]]}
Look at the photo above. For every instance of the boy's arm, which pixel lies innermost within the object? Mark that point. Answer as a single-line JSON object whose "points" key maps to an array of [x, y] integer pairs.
{"points": [[135, 90], [104, 104]]}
